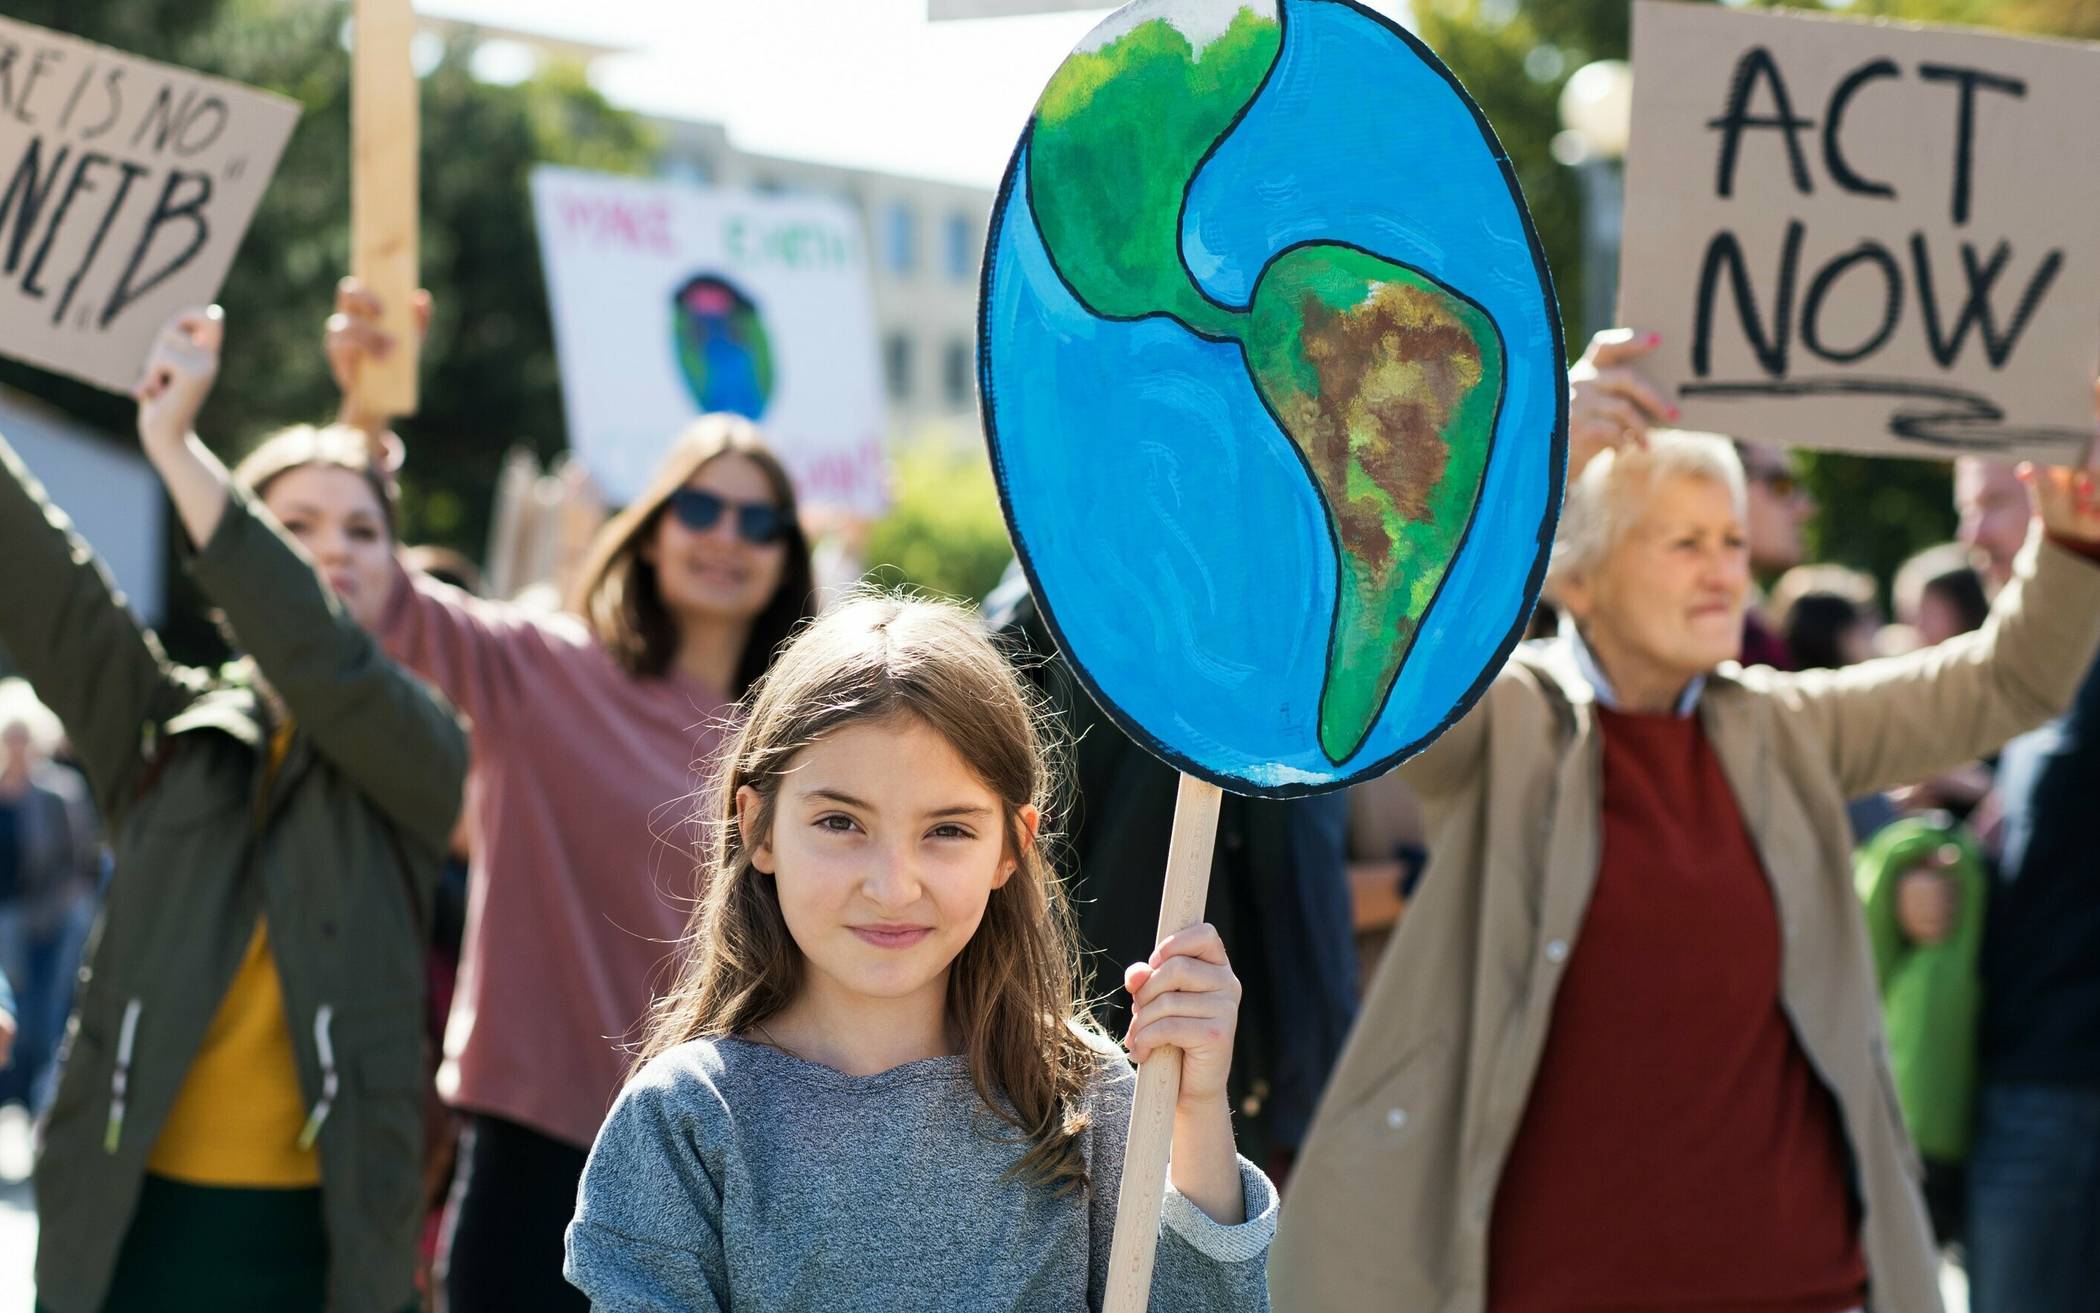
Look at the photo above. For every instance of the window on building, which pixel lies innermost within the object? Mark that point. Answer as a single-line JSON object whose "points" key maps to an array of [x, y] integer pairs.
{"points": [[900, 238], [955, 373], [896, 366], [962, 248]]}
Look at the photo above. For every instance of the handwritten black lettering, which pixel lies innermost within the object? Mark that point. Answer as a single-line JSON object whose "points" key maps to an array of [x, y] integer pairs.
{"points": [[9, 53], [1867, 252], [1770, 348], [1968, 80], [1977, 309], [113, 94], [132, 173], [1841, 170], [160, 118], [25, 196], [1755, 65], [189, 209], [211, 111], [75, 185], [38, 64]]}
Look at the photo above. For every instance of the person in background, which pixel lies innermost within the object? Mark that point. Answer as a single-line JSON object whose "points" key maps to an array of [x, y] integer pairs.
{"points": [[2033, 1226], [591, 730], [237, 1124], [448, 925], [1387, 854], [1939, 593], [1826, 615], [1632, 1004], [1776, 509], [51, 858]]}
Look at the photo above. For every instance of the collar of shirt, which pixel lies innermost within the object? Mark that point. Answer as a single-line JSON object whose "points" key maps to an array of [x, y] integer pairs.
{"points": [[1586, 662]]}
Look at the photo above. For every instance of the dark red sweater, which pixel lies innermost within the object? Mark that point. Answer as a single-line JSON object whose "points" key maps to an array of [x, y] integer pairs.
{"points": [[1677, 1152]]}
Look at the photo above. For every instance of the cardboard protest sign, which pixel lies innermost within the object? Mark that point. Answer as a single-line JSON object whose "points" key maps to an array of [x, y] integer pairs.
{"points": [[1273, 384], [125, 186], [671, 300], [1865, 236]]}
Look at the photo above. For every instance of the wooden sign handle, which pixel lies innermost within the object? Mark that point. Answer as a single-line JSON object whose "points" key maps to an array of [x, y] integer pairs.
{"points": [[383, 143], [1144, 1187]]}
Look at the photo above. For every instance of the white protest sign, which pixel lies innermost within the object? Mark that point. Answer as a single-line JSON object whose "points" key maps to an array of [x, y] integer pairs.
{"points": [[125, 186], [670, 301], [1866, 236]]}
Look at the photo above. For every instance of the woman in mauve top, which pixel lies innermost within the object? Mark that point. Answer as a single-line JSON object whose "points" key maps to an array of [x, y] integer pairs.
{"points": [[591, 733]]}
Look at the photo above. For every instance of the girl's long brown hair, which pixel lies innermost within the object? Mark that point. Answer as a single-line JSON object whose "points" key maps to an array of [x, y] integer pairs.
{"points": [[1012, 991], [616, 592]]}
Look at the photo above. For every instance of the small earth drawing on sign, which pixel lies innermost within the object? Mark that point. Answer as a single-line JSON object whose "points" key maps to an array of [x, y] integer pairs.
{"points": [[1292, 193], [724, 354]]}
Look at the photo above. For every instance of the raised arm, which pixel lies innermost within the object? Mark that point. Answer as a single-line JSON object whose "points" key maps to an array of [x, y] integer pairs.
{"points": [[396, 740], [480, 653], [1897, 720], [66, 626]]}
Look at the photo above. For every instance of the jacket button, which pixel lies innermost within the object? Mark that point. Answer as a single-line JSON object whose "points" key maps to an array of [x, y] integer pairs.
{"points": [[327, 929], [1556, 951], [1395, 1118]]}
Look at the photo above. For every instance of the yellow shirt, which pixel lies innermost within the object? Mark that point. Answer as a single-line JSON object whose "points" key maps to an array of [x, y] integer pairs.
{"points": [[237, 1118]]}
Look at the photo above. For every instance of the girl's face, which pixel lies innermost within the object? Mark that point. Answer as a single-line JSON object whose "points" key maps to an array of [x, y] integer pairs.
{"points": [[717, 570], [334, 514], [885, 848]]}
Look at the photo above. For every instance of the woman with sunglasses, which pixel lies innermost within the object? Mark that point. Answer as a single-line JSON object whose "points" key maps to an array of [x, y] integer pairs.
{"points": [[590, 732]]}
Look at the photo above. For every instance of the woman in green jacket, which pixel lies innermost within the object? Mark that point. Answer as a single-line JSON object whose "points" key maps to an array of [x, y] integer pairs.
{"points": [[238, 1123]]}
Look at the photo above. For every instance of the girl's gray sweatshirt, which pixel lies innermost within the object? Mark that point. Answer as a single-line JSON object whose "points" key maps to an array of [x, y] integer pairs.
{"points": [[733, 1176]]}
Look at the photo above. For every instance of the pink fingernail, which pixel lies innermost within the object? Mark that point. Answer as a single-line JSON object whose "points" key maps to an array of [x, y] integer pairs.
{"points": [[1676, 413], [1655, 339]]}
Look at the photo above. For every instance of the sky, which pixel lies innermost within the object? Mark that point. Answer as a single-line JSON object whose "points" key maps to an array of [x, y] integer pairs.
{"points": [[871, 84]]}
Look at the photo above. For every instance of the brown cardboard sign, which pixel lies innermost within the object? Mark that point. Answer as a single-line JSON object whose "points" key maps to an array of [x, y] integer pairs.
{"points": [[1873, 237], [125, 186]]}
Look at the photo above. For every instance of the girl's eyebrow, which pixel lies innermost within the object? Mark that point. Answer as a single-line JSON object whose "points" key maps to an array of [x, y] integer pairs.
{"points": [[835, 795], [960, 809]]}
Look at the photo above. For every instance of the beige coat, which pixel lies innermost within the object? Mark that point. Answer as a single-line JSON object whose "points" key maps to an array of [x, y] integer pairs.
{"points": [[1389, 1205]]}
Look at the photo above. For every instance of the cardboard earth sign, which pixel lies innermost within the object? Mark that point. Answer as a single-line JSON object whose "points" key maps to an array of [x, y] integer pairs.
{"points": [[1274, 388], [125, 186], [1866, 236], [672, 300]]}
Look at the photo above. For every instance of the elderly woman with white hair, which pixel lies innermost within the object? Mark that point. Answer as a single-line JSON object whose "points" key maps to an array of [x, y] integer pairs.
{"points": [[1625, 1051]]}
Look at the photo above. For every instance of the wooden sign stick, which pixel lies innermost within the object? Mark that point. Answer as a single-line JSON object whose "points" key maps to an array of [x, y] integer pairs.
{"points": [[383, 143], [1144, 1187]]}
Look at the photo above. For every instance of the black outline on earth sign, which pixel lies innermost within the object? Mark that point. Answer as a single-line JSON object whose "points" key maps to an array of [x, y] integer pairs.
{"points": [[1557, 458]]}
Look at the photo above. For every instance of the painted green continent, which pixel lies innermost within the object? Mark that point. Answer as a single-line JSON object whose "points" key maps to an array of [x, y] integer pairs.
{"points": [[1118, 135], [1386, 381]]}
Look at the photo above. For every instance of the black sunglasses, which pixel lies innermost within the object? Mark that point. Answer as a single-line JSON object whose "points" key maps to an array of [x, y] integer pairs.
{"points": [[758, 523]]}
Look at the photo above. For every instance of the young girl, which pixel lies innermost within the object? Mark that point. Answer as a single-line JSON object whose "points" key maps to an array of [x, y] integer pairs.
{"points": [[586, 729], [237, 1123], [872, 1085]]}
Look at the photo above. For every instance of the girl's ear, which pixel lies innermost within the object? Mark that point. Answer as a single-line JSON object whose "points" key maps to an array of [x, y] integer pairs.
{"points": [[748, 804], [1027, 821]]}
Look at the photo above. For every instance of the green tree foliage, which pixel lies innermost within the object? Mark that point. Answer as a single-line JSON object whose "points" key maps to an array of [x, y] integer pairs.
{"points": [[489, 377], [944, 532]]}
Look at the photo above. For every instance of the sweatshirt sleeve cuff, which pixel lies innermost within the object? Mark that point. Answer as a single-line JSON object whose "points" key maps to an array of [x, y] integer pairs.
{"points": [[1242, 1243]]}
